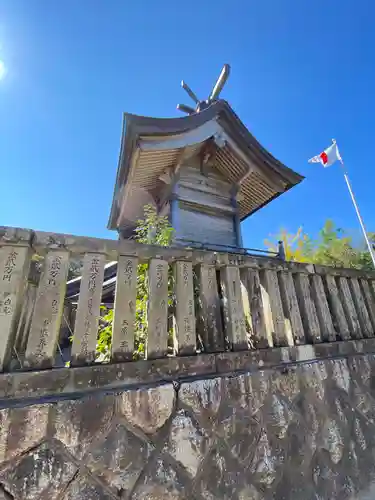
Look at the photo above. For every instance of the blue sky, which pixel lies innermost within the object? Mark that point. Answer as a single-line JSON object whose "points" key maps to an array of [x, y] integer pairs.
{"points": [[302, 73]]}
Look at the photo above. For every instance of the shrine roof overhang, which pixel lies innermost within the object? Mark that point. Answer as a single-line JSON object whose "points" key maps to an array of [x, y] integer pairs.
{"points": [[150, 146]]}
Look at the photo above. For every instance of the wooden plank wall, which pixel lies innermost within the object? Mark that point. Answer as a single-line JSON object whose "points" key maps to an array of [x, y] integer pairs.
{"points": [[205, 209]]}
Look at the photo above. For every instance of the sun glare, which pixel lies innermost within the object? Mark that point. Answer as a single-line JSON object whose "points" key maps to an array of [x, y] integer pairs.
{"points": [[2, 69]]}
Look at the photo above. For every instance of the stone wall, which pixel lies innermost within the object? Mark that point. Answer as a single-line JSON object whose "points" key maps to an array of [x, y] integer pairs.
{"points": [[298, 430]]}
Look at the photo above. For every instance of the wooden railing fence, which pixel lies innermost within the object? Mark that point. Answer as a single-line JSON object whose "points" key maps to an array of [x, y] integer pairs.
{"points": [[235, 303]]}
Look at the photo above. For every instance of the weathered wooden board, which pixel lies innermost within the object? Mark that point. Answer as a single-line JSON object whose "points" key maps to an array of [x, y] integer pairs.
{"points": [[14, 265], [268, 319], [307, 308], [291, 307], [280, 334], [184, 318], [24, 323], [361, 309], [349, 308], [213, 201], [198, 226], [369, 300], [318, 294], [234, 316], [260, 337], [88, 311], [209, 325], [47, 316], [124, 311], [212, 181], [339, 319], [157, 314]]}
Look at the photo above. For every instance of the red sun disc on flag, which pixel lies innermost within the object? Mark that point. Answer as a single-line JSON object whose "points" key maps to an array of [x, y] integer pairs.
{"points": [[324, 158]]}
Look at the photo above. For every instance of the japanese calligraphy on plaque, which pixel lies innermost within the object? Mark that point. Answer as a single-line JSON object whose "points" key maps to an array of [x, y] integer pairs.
{"points": [[10, 264]]}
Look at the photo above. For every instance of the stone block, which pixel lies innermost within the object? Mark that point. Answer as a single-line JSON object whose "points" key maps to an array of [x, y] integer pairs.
{"points": [[119, 458], [222, 477], [240, 432], [259, 388], [267, 465], [41, 474], [162, 482], [21, 429], [147, 409], [186, 443], [203, 397], [77, 424], [237, 390], [278, 415], [85, 488]]}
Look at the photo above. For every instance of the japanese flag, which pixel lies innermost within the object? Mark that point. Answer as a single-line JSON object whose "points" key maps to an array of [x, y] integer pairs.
{"points": [[328, 157]]}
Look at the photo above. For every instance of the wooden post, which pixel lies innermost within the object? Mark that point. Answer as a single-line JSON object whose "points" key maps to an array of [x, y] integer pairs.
{"points": [[370, 302], [184, 319], [124, 309], [209, 325], [271, 285], [157, 313], [261, 337], [24, 323], [307, 308], [360, 305], [234, 316], [14, 265], [349, 308], [291, 308], [88, 311], [337, 309], [46, 320], [322, 309]]}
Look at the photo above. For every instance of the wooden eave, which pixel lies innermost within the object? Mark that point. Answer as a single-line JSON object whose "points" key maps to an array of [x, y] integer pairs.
{"points": [[150, 145]]}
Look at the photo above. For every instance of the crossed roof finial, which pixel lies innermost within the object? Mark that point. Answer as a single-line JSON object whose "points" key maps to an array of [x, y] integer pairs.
{"points": [[200, 105]]}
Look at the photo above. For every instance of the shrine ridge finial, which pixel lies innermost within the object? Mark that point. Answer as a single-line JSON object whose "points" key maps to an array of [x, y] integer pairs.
{"points": [[200, 105]]}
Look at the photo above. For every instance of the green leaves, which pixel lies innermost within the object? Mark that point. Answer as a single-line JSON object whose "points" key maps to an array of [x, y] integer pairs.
{"points": [[152, 230], [333, 247]]}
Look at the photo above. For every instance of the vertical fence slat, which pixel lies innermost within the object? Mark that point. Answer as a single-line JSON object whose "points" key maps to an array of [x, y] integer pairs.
{"points": [[307, 308], [24, 323], [359, 302], [342, 327], [184, 320], [267, 311], [271, 285], [209, 325], [124, 309], [370, 302], [14, 265], [291, 308], [157, 313], [88, 311], [234, 316], [349, 309], [47, 315], [251, 281], [322, 308]]}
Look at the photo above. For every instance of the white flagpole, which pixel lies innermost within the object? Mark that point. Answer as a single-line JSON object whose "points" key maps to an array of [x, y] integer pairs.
{"points": [[370, 249]]}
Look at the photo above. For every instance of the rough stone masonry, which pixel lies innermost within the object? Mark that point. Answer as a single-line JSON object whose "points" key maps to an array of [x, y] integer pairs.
{"points": [[296, 430]]}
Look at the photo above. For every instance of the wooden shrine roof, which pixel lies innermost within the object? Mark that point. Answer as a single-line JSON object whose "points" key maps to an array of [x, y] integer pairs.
{"points": [[150, 146]]}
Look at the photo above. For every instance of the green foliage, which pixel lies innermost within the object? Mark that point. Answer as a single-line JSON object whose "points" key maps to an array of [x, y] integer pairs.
{"points": [[333, 247], [153, 229]]}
